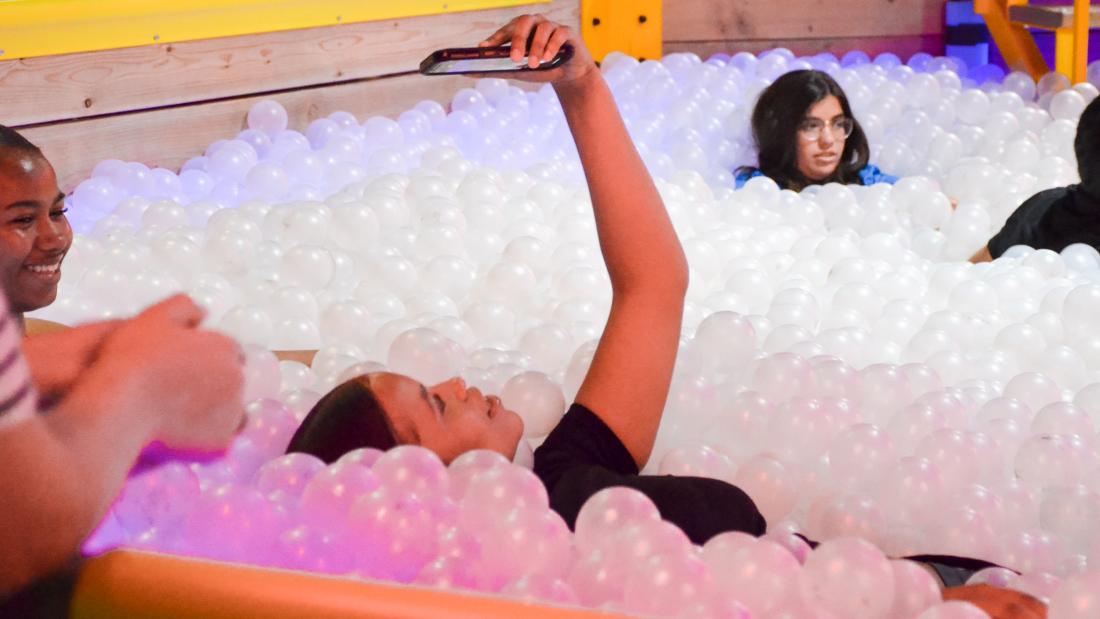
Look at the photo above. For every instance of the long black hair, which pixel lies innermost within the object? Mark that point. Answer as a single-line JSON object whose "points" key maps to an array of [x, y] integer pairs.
{"points": [[779, 113], [10, 138], [348, 417]]}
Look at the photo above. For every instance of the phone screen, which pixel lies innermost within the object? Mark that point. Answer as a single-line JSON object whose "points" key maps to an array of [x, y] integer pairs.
{"points": [[475, 65]]}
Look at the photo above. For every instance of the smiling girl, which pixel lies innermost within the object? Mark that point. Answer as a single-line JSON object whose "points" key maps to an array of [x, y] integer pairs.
{"points": [[34, 233]]}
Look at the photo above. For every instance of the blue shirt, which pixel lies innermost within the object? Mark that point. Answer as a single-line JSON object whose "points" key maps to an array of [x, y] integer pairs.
{"points": [[869, 175]]}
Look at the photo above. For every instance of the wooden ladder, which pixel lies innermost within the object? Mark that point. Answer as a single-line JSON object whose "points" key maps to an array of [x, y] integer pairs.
{"points": [[1009, 20]]}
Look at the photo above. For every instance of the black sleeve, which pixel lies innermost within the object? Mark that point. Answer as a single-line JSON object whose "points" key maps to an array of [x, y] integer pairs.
{"points": [[581, 437], [583, 456], [1022, 227], [953, 571]]}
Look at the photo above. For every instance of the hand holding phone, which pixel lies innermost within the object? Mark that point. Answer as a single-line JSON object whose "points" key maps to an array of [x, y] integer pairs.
{"points": [[553, 53]]}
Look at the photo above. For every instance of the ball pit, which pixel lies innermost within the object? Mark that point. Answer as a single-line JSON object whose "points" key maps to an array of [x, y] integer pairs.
{"points": [[839, 362]]}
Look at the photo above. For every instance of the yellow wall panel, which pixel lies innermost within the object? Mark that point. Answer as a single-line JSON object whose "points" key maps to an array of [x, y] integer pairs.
{"points": [[46, 27], [633, 28]]}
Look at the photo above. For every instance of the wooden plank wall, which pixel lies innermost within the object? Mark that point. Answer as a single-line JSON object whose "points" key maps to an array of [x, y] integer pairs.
{"points": [[705, 27], [162, 104]]}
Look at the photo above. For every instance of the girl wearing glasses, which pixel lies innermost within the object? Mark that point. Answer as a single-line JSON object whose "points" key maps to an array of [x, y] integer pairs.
{"points": [[805, 134]]}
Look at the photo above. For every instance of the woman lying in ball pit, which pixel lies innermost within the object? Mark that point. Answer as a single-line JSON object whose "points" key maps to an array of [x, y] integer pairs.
{"points": [[614, 421], [805, 134], [607, 435], [34, 232]]}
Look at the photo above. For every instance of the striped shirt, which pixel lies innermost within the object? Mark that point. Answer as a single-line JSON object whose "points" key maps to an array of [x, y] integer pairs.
{"points": [[17, 395]]}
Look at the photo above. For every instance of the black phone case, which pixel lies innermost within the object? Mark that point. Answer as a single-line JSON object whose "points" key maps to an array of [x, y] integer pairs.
{"points": [[477, 53]]}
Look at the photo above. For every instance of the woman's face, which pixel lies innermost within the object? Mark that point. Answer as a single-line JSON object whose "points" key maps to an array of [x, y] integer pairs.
{"points": [[34, 233], [821, 139], [448, 418]]}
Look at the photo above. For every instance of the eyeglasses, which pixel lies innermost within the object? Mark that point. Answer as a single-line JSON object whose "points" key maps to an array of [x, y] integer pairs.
{"points": [[811, 128]]}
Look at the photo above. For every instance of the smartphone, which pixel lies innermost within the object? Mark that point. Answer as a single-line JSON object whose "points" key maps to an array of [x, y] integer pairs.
{"points": [[459, 60]]}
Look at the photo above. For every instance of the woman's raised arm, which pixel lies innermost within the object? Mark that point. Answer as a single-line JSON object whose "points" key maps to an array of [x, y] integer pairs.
{"points": [[628, 381]]}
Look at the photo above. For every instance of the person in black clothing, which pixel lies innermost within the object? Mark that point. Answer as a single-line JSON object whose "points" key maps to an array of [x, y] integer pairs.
{"points": [[607, 435], [1059, 217]]}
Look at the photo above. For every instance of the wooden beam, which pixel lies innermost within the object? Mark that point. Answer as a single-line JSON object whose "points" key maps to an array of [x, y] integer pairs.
{"points": [[1052, 17], [168, 137], [1013, 40], [902, 46], [51, 88], [732, 20]]}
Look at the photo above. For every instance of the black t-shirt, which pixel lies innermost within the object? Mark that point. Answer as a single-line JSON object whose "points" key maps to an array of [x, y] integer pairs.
{"points": [[583, 456], [1051, 219]]}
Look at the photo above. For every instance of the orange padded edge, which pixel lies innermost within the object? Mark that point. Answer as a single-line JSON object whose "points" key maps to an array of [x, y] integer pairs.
{"points": [[143, 585]]}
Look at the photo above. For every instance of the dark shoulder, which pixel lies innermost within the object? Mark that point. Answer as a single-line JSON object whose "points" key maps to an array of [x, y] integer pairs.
{"points": [[1036, 207], [1049, 196], [1023, 226], [581, 439]]}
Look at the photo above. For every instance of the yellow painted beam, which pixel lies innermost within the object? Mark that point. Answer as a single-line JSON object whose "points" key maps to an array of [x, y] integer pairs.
{"points": [[1015, 43], [46, 27], [634, 28], [1063, 52], [1081, 19]]}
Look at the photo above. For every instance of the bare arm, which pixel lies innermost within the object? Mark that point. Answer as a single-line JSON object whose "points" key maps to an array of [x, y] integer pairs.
{"points": [[998, 603], [628, 381], [982, 256], [153, 377], [61, 471], [64, 355]]}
